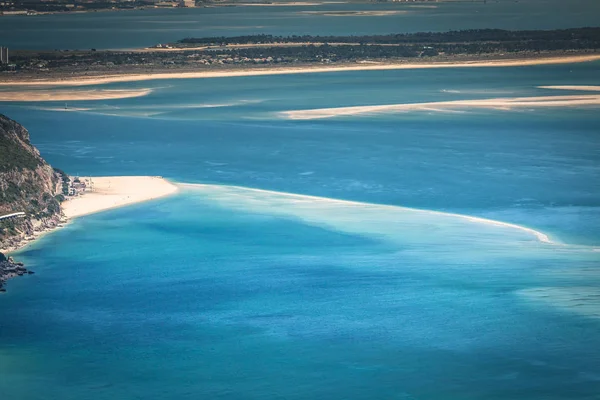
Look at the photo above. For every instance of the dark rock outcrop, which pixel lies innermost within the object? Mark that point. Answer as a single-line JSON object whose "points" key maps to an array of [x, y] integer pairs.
{"points": [[9, 269]]}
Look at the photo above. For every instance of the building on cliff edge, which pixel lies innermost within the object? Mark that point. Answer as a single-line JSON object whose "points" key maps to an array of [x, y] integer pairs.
{"points": [[3, 55]]}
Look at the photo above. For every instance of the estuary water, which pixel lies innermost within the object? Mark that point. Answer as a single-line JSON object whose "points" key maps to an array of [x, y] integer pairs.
{"points": [[439, 253], [141, 28]]}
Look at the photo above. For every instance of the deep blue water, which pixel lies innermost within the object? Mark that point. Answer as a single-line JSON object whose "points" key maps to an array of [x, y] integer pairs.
{"points": [[128, 29], [223, 291]]}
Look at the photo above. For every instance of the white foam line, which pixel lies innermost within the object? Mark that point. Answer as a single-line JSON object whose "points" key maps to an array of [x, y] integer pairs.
{"points": [[542, 237]]}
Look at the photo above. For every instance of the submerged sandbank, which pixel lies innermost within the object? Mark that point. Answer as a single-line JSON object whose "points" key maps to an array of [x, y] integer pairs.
{"points": [[71, 95], [329, 211], [104, 79], [117, 191], [497, 103]]}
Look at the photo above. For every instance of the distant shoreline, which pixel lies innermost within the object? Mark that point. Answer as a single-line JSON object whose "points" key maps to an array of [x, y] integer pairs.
{"points": [[100, 78], [108, 192]]}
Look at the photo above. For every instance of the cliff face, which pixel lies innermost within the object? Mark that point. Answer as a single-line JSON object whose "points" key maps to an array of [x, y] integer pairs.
{"points": [[27, 184]]}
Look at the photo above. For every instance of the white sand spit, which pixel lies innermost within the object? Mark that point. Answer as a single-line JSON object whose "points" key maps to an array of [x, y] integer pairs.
{"points": [[117, 191], [584, 88], [499, 103]]}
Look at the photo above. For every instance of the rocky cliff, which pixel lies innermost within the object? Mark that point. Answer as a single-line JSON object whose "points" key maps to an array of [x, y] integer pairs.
{"points": [[27, 184]]}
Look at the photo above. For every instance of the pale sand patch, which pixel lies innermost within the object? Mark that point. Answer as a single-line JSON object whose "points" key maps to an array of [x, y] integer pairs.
{"points": [[117, 191], [353, 13], [584, 88], [103, 79], [499, 103], [71, 95], [282, 4]]}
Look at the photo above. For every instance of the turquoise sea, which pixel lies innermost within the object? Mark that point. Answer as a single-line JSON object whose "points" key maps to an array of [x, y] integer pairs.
{"points": [[433, 254], [243, 286]]}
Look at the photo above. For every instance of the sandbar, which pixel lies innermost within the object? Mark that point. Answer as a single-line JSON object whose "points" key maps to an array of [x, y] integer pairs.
{"points": [[381, 13], [583, 88], [116, 191], [71, 95], [497, 103], [104, 79], [294, 200]]}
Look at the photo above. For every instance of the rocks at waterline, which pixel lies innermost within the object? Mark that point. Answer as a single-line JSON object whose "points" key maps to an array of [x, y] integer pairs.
{"points": [[10, 269]]}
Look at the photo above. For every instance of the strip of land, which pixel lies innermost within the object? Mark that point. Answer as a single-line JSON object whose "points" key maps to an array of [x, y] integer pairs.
{"points": [[251, 55], [497, 103], [125, 77], [71, 95], [116, 191]]}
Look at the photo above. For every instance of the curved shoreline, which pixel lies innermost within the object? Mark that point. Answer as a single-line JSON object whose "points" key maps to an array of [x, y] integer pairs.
{"points": [[108, 193], [105, 79], [120, 191], [540, 236]]}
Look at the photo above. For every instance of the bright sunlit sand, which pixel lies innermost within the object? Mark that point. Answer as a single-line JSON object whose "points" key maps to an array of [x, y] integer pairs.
{"points": [[498, 103], [117, 191], [584, 88]]}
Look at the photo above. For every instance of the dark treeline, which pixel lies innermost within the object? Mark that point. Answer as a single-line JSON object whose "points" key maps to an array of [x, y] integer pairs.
{"points": [[584, 35]]}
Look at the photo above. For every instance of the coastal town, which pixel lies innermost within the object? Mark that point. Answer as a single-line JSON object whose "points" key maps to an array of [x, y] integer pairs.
{"points": [[32, 7]]}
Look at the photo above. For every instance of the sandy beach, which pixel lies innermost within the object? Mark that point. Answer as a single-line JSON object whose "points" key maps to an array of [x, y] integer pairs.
{"points": [[71, 95], [497, 103], [117, 191], [104, 79], [108, 192]]}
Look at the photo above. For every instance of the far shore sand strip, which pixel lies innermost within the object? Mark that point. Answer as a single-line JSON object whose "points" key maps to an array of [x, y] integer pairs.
{"points": [[117, 191], [498, 104], [104, 79], [71, 95]]}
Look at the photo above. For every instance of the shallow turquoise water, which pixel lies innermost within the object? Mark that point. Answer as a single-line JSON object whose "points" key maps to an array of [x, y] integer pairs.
{"points": [[228, 292]]}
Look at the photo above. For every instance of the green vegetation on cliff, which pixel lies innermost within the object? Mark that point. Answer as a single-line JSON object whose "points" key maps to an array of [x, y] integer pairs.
{"points": [[15, 152], [27, 184]]}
